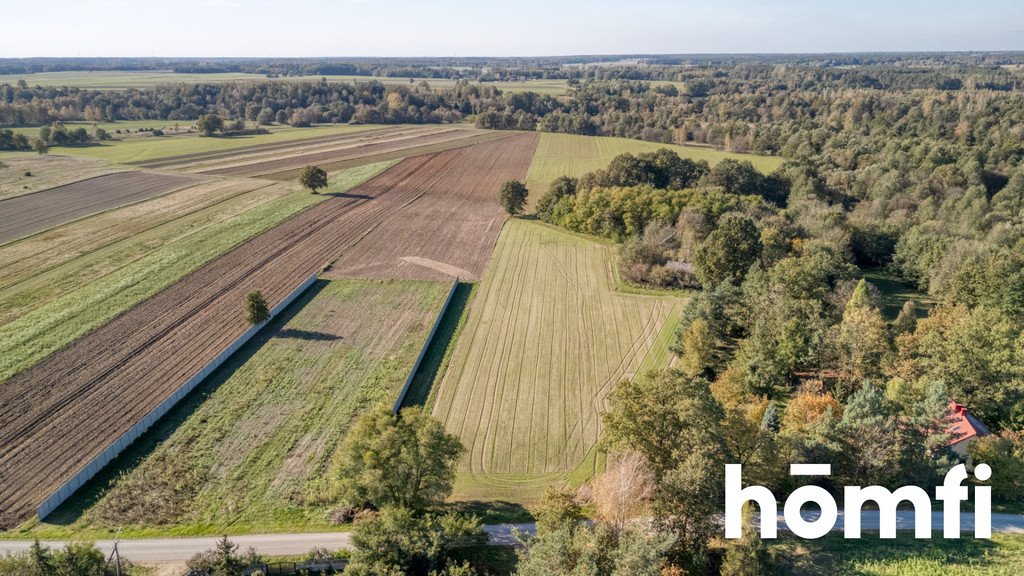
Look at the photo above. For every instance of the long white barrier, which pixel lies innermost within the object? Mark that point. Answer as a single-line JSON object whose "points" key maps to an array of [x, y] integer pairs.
{"points": [[111, 452], [423, 351]]}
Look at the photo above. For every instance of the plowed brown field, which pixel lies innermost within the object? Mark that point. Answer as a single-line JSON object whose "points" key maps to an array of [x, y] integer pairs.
{"points": [[31, 213], [448, 231], [374, 148], [58, 415], [186, 159]]}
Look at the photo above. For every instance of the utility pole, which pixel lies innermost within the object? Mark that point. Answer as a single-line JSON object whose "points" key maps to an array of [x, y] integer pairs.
{"points": [[115, 554]]}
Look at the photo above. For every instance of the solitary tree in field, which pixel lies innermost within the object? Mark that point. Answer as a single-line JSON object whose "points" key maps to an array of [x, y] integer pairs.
{"points": [[210, 123], [40, 146], [313, 177], [256, 310], [512, 196]]}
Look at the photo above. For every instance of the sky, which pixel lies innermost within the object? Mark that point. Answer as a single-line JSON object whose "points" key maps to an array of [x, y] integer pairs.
{"points": [[277, 28]]}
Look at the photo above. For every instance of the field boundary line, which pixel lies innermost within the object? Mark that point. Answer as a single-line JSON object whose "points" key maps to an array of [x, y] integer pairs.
{"points": [[103, 458], [185, 186], [426, 344], [120, 171], [6, 290], [268, 146]]}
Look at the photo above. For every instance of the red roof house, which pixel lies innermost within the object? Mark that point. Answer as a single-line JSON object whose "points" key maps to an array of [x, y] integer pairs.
{"points": [[964, 428]]}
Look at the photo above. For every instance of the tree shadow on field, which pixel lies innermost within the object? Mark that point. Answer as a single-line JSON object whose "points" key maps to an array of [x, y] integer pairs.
{"points": [[347, 195], [306, 335], [95, 489]]}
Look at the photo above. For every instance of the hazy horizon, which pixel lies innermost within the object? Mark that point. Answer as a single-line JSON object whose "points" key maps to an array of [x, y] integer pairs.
{"points": [[530, 28]]}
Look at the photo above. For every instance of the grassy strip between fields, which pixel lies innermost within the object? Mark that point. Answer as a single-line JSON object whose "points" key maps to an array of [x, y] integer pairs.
{"points": [[31, 337]]}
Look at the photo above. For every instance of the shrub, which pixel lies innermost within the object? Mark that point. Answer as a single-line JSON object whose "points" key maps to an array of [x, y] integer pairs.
{"points": [[256, 309]]}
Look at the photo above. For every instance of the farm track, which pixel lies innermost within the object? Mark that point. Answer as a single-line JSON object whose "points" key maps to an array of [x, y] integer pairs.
{"points": [[57, 415], [28, 214], [406, 146]]}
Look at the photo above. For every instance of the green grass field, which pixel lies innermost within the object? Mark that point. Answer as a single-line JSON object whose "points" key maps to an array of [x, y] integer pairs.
{"points": [[86, 293], [894, 293], [1003, 555], [117, 80], [572, 155], [546, 338], [145, 148], [249, 450]]}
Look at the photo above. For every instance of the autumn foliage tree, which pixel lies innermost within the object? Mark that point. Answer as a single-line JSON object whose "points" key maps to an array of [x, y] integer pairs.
{"points": [[860, 342]]}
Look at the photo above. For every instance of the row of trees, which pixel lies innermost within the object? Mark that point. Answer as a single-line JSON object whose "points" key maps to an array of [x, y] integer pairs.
{"points": [[74, 559]]}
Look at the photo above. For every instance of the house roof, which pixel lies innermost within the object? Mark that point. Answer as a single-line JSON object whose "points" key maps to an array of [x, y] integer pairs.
{"points": [[964, 425]]}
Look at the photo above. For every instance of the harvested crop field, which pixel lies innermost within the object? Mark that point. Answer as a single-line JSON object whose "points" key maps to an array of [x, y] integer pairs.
{"points": [[64, 410], [254, 443], [546, 338], [26, 174], [30, 213], [381, 146]]}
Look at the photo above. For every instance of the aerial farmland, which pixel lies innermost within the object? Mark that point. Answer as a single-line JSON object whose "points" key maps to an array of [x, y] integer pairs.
{"points": [[569, 288], [124, 266]]}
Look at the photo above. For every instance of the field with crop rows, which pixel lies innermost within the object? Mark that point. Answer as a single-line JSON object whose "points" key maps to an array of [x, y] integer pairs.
{"points": [[145, 148], [30, 213], [252, 445], [571, 155], [546, 338], [142, 355], [451, 229], [375, 147], [65, 282]]}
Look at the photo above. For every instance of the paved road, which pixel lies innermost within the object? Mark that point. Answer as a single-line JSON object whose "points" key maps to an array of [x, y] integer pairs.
{"points": [[179, 549]]}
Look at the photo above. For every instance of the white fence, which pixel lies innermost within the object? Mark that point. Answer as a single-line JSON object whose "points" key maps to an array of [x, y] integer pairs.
{"points": [[111, 452], [423, 351]]}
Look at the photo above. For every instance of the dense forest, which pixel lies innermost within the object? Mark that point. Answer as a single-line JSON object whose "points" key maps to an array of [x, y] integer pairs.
{"points": [[785, 353]]}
